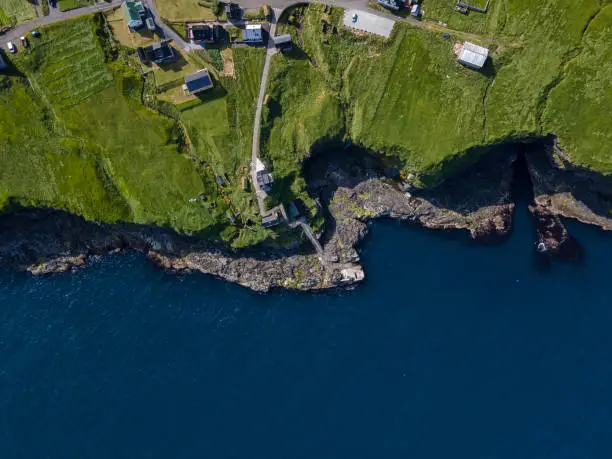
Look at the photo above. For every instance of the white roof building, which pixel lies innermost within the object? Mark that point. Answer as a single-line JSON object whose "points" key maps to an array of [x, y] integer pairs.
{"points": [[253, 33], [473, 56]]}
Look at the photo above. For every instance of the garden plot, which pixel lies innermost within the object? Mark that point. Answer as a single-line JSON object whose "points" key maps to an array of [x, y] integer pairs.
{"points": [[70, 64], [16, 11]]}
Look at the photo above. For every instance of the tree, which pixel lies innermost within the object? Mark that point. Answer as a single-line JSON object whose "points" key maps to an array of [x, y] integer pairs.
{"points": [[215, 7]]}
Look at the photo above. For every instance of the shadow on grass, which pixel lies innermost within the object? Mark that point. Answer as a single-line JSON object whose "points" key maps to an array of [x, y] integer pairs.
{"points": [[489, 69], [175, 65], [296, 53], [216, 92], [10, 69]]}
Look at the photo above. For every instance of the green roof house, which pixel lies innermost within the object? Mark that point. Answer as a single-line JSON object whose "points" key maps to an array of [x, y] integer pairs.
{"points": [[134, 12]]}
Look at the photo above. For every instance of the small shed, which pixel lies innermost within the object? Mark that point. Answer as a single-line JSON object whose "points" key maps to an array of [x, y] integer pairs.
{"points": [[133, 12], [253, 33], [472, 56], [198, 82], [283, 42]]}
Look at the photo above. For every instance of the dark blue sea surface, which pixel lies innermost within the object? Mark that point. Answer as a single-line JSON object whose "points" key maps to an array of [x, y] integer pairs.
{"points": [[449, 350]]}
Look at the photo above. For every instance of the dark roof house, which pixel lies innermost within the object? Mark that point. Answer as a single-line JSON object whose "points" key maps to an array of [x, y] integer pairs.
{"points": [[233, 11], [158, 52], [198, 82], [201, 33], [264, 179]]}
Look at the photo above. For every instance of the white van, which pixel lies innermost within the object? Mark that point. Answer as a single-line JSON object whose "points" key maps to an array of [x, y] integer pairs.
{"points": [[11, 47]]}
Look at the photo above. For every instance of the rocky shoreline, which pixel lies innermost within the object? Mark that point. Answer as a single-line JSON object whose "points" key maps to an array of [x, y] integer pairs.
{"points": [[353, 190]]}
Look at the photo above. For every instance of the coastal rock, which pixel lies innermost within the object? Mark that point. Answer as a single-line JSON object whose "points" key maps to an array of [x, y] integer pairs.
{"points": [[353, 189], [553, 238], [58, 265], [566, 190]]}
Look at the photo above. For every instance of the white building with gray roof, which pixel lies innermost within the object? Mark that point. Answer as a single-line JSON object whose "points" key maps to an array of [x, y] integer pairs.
{"points": [[472, 56]]}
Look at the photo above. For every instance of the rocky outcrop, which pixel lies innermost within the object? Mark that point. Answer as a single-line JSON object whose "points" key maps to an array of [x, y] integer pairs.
{"points": [[357, 189], [561, 189], [567, 190], [553, 238], [354, 189]]}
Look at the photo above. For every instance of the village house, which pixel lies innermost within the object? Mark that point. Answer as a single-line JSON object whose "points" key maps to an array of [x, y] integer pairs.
{"points": [[253, 33], [233, 12], [472, 56], [205, 33], [272, 219], [198, 82], [158, 52], [134, 13], [264, 180]]}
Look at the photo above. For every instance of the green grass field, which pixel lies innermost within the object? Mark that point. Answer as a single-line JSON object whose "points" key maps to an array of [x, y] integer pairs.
{"points": [[16, 12], [67, 64], [220, 127], [65, 5], [408, 98], [77, 136], [183, 10], [99, 153], [578, 109]]}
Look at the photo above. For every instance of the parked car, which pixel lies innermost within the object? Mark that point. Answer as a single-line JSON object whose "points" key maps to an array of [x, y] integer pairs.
{"points": [[11, 47], [24, 42], [35, 33]]}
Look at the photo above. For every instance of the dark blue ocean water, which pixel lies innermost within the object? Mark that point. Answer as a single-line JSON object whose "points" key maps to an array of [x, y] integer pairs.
{"points": [[450, 350]]}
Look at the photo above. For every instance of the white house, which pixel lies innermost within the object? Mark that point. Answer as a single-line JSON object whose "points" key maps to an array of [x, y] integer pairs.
{"points": [[253, 33]]}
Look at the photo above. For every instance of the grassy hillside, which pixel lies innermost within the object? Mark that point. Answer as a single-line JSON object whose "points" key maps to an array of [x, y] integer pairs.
{"points": [[81, 140], [578, 109], [220, 129], [82, 130], [408, 98]]}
